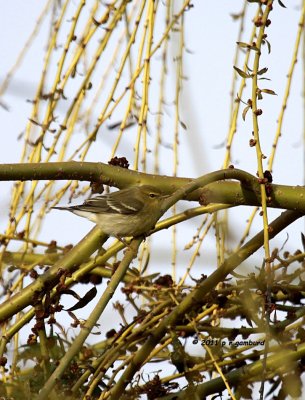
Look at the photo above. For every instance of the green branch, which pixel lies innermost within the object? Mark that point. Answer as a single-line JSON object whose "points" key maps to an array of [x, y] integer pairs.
{"points": [[285, 197]]}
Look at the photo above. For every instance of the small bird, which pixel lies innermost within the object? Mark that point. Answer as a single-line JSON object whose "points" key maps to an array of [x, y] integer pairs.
{"points": [[133, 211]]}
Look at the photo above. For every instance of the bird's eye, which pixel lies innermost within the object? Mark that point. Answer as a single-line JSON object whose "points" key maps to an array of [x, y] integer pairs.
{"points": [[152, 195]]}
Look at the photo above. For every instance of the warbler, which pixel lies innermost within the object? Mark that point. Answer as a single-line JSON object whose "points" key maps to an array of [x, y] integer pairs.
{"points": [[128, 212]]}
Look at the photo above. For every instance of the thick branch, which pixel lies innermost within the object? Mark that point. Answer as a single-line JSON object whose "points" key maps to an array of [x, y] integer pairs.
{"points": [[285, 197]]}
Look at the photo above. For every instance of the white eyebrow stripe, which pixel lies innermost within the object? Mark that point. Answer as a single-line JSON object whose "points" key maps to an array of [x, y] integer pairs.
{"points": [[129, 207]]}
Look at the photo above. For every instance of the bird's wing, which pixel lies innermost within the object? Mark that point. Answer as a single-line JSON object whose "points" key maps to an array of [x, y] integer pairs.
{"points": [[128, 206], [97, 205], [112, 204]]}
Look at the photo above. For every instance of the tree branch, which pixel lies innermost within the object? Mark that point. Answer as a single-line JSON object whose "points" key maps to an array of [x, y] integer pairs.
{"points": [[281, 196]]}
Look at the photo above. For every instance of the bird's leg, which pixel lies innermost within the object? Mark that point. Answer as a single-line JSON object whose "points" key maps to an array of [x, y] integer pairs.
{"points": [[122, 240], [128, 247]]}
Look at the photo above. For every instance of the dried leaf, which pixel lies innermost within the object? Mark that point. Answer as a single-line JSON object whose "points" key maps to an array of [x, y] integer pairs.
{"points": [[246, 109], [303, 240], [183, 125], [239, 99], [71, 293], [236, 16], [276, 382], [243, 44], [268, 45], [35, 122], [269, 91], [248, 68], [247, 46], [242, 73], [84, 300], [262, 71]]}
